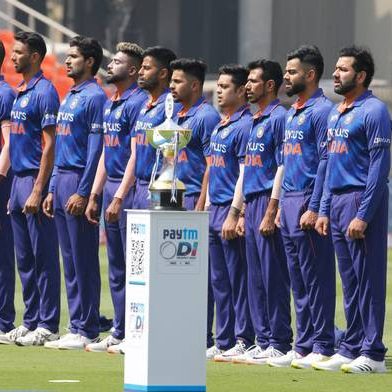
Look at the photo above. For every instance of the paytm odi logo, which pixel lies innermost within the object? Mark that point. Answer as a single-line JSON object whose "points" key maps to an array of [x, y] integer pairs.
{"points": [[179, 244]]}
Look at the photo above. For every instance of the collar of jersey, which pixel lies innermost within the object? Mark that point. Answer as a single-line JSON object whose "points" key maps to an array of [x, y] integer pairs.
{"points": [[236, 115], [311, 101], [126, 94], [361, 99], [22, 86], [161, 98], [193, 110], [82, 86], [267, 111]]}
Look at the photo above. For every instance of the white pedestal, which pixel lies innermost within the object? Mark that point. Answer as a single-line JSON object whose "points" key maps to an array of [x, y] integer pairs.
{"points": [[166, 301]]}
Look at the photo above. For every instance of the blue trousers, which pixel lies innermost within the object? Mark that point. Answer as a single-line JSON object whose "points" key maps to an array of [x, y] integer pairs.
{"points": [[141, 199], [36, 248], [311, 264], [7, 260], [79, 242], [229, 283], [363, 269], [268, 280], [115, 244], [190, 204]]}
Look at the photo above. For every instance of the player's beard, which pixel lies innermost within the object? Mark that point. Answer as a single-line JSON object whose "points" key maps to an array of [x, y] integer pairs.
{"points": [[346, 87], [116, 78], [296, 88], [149, 84]]}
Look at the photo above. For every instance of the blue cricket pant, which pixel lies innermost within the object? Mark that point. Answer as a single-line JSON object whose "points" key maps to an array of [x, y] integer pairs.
{"points": [[363, 270], [141, 200], [311, 264]]}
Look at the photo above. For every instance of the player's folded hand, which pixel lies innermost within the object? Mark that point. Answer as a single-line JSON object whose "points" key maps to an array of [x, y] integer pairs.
{"points": [[356, 229], [308, 220], [33, 203], [240, 228], [47, 205], [321, 226], [113, 212], [229, 227], [277, 218], [76, 205], [92, 211], [267, 225]]}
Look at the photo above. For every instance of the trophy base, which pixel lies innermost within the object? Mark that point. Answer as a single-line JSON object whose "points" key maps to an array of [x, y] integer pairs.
{"points": [[161, 200]]}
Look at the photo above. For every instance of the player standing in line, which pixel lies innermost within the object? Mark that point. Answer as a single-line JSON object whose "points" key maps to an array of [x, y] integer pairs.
{"points": [[355, 201], [78, 148], [154, 78], [310, 257], [118, 157], [268, 277], [193, 161], [234, 331], [7, 263], [32, 143]]}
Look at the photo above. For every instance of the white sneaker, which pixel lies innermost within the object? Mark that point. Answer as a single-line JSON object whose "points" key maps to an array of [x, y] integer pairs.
{"points": [[234, 352], [55, 343], [284, 360], [3, 338], [116, 348], [251, 352], [37, 338], [11, 336], [333, 364], [307, 361], [212, 351], [364, 364], [103, 345], [77, 342], [262, 357]]}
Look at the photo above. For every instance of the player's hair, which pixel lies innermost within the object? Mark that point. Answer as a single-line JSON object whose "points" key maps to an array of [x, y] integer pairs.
{"points": [[2, 52], [238, 73], [88, 47], [310, 55], [163, 56], [34, 42], [133, 51], [363, 61], [193, 67], [271, 71]]}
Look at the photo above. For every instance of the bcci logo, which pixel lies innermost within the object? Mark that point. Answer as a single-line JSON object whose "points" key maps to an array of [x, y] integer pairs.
{"points": [[225, 132], [349, 118], [73, 104], [301, 119], [260, 132], [117, 115], [24, 102]]}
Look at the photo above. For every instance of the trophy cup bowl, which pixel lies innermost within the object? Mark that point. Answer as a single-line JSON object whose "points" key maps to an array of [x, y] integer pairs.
{"points": [[167, 191]]}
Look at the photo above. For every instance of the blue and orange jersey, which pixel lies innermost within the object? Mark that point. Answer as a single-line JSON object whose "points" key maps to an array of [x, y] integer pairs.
{"points": [[80, 113], [359, 139], [305, 142], [34, 108], [151, 115], [119, 118], [264, 149], [7, 96], [228, 149], [201, 118]]}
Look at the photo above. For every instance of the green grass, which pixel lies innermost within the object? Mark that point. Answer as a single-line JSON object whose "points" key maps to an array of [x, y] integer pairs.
{"points": [[31, 368]]}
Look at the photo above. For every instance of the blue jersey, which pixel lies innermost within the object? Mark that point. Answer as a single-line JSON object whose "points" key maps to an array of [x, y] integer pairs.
{"points": [[119, 118], [80, 114], [150, 116], [264, 149], [359, 139], [35, 107], [228, 149], [305, 142], [201, 118], [7, 96]]}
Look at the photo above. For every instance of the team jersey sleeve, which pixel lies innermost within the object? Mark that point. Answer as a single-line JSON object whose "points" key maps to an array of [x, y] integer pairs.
{"points": [[278, 125], [320, 124], [378, 132], [94, 113], [241, 141], [6, 101], [48, 106], [207, 125]]}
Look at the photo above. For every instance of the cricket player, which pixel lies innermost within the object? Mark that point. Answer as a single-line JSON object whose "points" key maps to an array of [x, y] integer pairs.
{"points": [[79, 135], [268, 277], [310, 257], [118, 157], [7, 258], [32, 142], [355, 207], [234, 330], [193, 160], [154, 78]]}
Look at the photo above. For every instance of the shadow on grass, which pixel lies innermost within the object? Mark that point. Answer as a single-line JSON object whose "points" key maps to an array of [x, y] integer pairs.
{"points": [[388, 362]]}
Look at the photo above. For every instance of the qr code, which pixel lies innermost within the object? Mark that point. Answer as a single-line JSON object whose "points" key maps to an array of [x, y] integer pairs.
{"points": [[137, 257]]}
